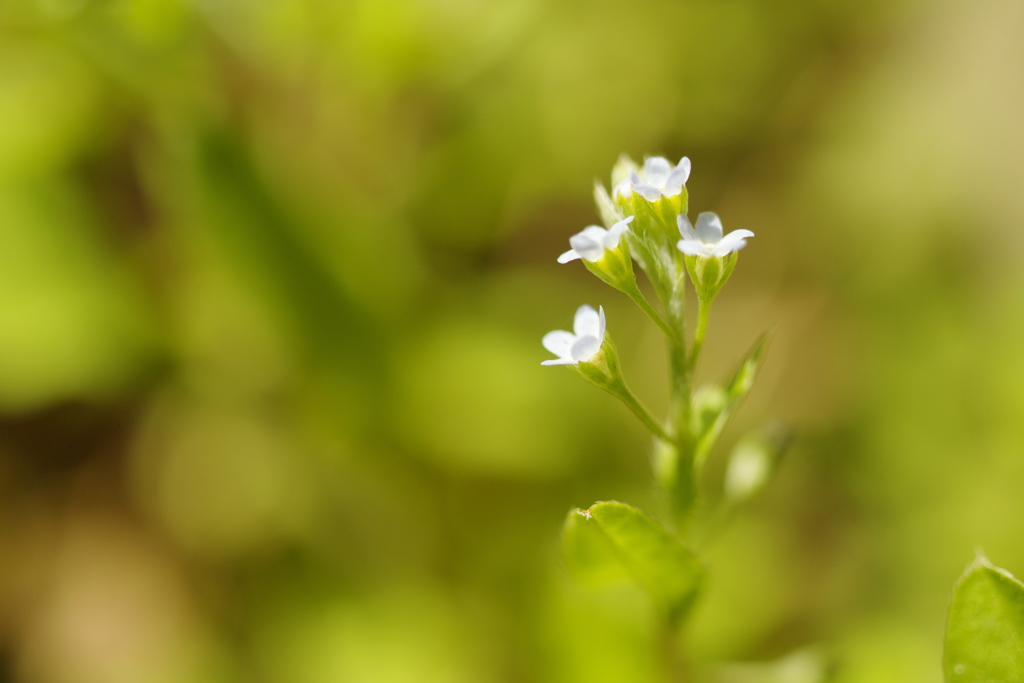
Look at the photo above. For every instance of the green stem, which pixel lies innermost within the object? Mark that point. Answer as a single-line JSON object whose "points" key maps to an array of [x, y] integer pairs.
{"points": [[678, 366], [634, 293], [680, 489], [684, 494], [673, 662], [631, 402], [703, 313]]}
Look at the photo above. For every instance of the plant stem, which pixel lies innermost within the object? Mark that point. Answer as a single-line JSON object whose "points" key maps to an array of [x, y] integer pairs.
{"points": [[673, 662], [640, 300], [678, 364], [679, 489], [631, 402], [703, 313]]}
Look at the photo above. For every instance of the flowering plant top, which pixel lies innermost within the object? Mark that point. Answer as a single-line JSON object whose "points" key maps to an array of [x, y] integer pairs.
{"points": [[644, 222]]}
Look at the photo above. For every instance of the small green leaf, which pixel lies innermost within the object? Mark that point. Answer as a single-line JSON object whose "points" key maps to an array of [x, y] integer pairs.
{"points": [[710, 425], [610, 214], [611, 541], [985, 627]]}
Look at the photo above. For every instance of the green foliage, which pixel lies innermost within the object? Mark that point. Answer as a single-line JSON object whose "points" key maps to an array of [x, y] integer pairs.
{"points": [[720, 403], [610, 541], [985, 627]]}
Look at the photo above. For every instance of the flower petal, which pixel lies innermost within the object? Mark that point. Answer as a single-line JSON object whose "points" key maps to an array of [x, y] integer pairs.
{"points": [[585, 348], [611, 240], [594, 232], [684, 166], [657, 170], [734, 241], [586, 247], [693, 248], [648, 192], [709, 227], [559, 342], [570, 255], [741, 233], [677, 178], [601, 325], [674, 185], [686, 228], [558, 361], [622, 189], [587, 322]]}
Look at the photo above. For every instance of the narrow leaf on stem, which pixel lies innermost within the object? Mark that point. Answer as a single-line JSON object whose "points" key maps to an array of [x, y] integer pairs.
{"points": [[742, 381]]}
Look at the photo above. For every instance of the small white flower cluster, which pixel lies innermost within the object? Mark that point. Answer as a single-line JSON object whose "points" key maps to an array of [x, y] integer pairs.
{"points": [[658, 179]]}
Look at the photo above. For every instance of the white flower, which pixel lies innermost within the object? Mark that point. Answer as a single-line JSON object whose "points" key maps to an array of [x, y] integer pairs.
{"points": [[657, 179], [707, 239], [622, 189], [592, 242], [579, 347]]}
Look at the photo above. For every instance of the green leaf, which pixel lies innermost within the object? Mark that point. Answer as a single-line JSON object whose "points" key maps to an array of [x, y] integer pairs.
{"points": [[985, 627], [611, 541], [610, 214], [722, 401]]}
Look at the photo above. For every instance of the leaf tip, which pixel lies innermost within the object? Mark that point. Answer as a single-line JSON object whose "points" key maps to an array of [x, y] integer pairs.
{"points": [[980, 562]]}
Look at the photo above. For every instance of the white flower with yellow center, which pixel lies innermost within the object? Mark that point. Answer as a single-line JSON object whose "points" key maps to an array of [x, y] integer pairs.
{"points": [[580, 345], [658, 178], [706, 239], [592, 242]]}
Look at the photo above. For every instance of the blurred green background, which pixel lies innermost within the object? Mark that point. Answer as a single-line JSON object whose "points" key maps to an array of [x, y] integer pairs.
{"points": [[274, 274]]}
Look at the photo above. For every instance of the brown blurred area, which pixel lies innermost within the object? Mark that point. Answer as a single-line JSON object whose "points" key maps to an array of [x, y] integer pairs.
{"points": [[274, 274]]}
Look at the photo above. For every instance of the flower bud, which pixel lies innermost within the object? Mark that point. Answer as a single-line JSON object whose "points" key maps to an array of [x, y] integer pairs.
{"points": [[754, 461]]}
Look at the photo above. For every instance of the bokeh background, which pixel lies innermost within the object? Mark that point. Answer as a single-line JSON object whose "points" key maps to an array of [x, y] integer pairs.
{"points": [[273, 277]]}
